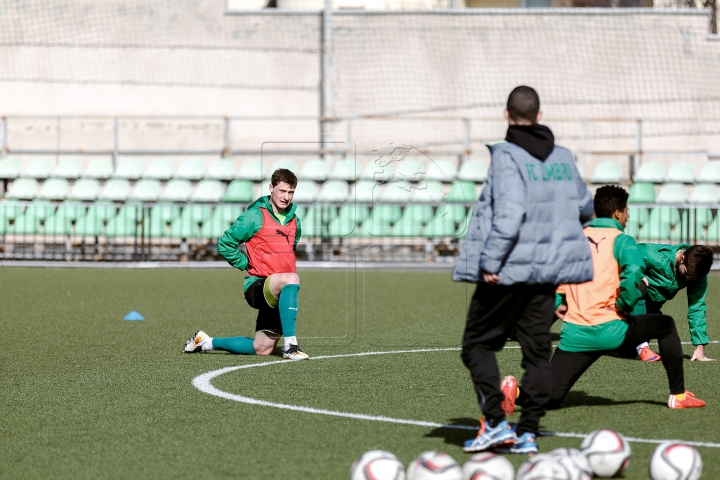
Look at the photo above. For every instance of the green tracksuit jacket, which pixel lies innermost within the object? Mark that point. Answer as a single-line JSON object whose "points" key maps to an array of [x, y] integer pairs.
{"points": [[664, 284], [248, 224]]}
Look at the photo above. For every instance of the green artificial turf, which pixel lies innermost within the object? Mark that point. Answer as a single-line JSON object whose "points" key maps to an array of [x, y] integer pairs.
{"points": [[87, 395]]}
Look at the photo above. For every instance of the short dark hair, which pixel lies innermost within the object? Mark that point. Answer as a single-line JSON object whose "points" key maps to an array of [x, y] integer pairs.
{"points": [[608, 199], [283, 175], [523, 104], [698, 260]]}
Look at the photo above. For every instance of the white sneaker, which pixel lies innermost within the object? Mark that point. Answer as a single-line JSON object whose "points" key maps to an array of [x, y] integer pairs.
{"points": [[294, 353], [194, 345]]}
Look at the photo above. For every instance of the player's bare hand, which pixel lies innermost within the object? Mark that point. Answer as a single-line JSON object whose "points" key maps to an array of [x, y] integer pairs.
{"points": [[699, 355], [561, 311], [491, 278]]}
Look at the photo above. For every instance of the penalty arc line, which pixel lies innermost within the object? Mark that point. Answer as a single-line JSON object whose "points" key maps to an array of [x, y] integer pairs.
{"points": [[203, 383]]}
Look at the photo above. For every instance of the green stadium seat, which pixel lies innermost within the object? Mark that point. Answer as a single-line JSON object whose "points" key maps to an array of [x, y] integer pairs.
{"points": [[88, 226], [129, 168], [378, 170], [58, 224], [252, 169], [334, 191], [160, 169], [176, 191], [354, 212], [222, 218], [345, 169], [639, 215], [38, 168], [396, 192], [405, 227], [25, 224], [311, 224], [681, 172], [221, 169], [642, 192], [321, 215], [165, 212], [196, 213], [341, 227], [704, 216], [440, 170], [705, 193], [184, 228], [146, 191], [690, 229], [650, 172], [23, 189], [286, 163], [40, 209], [710, 172], [68, 167], [87, 189], [713, 230], [71, 210], [385, 214], [410, 170], [239, 191], [418, 214], [116, 189], [208, 191], [632, 228], [440, 226], [305, 192], [473, 170], [315, 169], [102, 211], [462, 192], [455, 212], [607, 172], [131, 220], [10, 168], [429, 191], [365, 191], [10, 210], [672, 193], [299, 211], [99, 168], [54, 189], [191, 169], [462, 228], [372, 228], [659, 224]]}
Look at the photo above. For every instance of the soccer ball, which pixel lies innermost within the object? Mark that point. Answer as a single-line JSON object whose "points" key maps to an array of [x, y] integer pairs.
{"points": [[607, 452], [575, 461], [488, 466], [434, 466], [544, 467], [675, 461], [377, 465]]}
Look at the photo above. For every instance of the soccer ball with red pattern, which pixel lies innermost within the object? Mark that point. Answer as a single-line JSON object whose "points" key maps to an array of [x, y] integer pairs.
{"points": [[434, 466], [607, 452], [377, 465], [675, 461], [488, 466]]}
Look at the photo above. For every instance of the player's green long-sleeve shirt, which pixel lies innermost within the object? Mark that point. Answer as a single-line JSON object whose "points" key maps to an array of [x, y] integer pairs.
{"points": [[247, 225], [664, 283]]}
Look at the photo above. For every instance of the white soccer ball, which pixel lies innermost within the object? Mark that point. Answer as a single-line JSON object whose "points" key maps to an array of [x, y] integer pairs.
{"points": [[544, 467], [675, 461], [488, 466], [575, 461], [377, 465], [607, 452], [434, 466]]}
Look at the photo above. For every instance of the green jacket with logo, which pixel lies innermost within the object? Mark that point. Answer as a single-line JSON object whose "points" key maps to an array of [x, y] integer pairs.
{"points": [[248, 224]]}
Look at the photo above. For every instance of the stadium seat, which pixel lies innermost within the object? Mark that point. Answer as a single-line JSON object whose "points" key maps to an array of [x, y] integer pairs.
{"points": [[182, 228], [196, 213], [71, 210], [129, 168], [23, 189], [210, 191], [659, 223], [40, 209], [440, 226], [252, 169], [378, 170], [287, 163], [160, 169], [456, 213], [705, 193], [319, 215], [87, 226], [690, 229], [305, 192], [191, 169], [440, 170], [632, 227], [409, 170], [10, 210], [221, 169], [176, 191], [607, 172], [371, 228], [312, 225], [354, 212], [25, 224], [710, 172], [315, 169], [102, 211], [639, 215], [161, 217], [87, 189], [239, 191], [222, 218], [10, 168], [334, 191], [54, 189], [131, 220], [462, 192], [642, 192], [672, 193], [405, 227], [418, 214], [68, 167], [429, 191], [342, 226], [345, 169], [99, 168], [299, 211], [713, 230], [58, 223], [462, 228], [365, 191], [473, 170], [117, 190], [383, 214], [146, 191], [38, 168], [396, 192], [650, 172], [681, 172]]}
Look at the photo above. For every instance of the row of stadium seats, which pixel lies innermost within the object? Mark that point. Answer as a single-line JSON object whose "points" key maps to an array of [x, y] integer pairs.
{"points": [[668, 224], [642, 192], [203, 221], [654, 172], [71, 168], [213, 191]]}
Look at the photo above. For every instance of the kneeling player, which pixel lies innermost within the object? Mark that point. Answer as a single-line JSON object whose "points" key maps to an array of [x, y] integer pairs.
{"points": [[596, 322]]}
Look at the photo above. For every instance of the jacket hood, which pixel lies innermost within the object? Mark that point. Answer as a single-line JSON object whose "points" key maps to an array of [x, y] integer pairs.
{"points": [[538, 140]]}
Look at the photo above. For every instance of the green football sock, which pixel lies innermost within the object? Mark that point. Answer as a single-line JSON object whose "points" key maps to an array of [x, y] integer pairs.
{"points": [[288, 305], [239, 345]]}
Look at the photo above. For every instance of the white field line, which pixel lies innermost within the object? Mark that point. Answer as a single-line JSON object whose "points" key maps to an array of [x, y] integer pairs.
{"points": [[203, 383]]}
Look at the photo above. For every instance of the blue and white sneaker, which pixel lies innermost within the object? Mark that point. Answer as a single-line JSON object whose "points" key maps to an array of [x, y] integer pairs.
{"points": [[489, 438], [525, 444]]}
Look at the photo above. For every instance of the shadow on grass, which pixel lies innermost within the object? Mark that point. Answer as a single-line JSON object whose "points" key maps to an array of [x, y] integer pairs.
{"points": [[582, 399], [456, 436]]}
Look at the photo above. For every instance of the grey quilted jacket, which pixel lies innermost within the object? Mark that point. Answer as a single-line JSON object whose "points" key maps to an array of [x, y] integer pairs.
{"points": [[527, 224]]}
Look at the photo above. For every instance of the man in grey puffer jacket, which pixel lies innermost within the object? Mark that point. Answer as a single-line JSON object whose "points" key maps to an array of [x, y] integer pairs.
{"points": [[525, 238]]}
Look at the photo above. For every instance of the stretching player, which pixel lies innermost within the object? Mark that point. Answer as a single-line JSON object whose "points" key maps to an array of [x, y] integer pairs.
{"points": [[597, 323], [270, 231]]}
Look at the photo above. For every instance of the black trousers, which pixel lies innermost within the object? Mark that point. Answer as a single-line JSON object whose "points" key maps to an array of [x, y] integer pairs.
{"points": [[495, 311], [568, 367]]}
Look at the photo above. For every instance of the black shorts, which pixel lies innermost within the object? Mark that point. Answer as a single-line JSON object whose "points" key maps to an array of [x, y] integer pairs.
{"points": [[268, 319]]}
